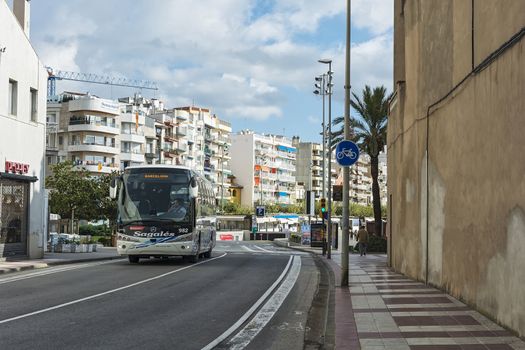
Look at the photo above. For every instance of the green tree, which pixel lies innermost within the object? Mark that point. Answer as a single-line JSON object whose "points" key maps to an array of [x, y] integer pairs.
{"points": [[106, 206], [234, 208], [369, 132], [71, 192]]}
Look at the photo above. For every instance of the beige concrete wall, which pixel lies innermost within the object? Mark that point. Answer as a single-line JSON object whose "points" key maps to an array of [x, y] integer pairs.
{"points": [[475, 198]]}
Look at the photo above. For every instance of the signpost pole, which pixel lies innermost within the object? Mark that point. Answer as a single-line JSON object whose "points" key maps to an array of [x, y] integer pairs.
{"points": [[346, 170]]}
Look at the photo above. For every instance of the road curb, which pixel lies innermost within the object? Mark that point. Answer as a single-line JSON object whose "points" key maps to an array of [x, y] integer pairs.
{"points": [[8, 270], [43, 265], [320, 325], [75, 261]]}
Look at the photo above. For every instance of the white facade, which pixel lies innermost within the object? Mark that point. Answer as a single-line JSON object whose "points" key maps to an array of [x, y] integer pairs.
{"points": [[23, 82], [132, 132], [86, 130], [265, 166], [309, 171], [194, 137]]}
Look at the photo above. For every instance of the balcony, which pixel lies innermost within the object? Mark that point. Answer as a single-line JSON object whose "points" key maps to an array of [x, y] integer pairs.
{"points": [[150, 155], [168, 136], [208, 152], [132, 137], [209, 167], [88, 147], [284, 189], [181, 131], [105, 168], [181, 115], [131, 118], [180, 147], [106, 128], [286, 178], [133, 156], [169, 152]]}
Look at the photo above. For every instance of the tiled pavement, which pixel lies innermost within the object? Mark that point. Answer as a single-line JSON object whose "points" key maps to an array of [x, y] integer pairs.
{"points": [[382, 309]]}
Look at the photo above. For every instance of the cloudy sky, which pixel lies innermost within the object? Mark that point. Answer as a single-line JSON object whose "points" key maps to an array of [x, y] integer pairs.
{"points": [[253, 62]]}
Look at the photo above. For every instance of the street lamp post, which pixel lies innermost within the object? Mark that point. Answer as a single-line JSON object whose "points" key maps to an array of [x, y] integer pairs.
{"points": [[346, 170], [329, 211], [322, 91], [224, 148]]}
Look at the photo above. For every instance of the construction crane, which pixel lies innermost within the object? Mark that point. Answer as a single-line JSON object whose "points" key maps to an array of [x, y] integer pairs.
{"points": [[94, 79]]}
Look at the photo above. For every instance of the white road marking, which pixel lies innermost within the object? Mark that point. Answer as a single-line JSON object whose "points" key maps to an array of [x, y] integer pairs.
{"points": [[250, 331], [106, 292], [52, 270], [245, 336], [248, 249], [248, 313], [264, 250]]}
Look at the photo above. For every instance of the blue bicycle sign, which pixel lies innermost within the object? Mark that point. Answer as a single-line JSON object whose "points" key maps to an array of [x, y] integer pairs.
{"points": [[346, 153]]}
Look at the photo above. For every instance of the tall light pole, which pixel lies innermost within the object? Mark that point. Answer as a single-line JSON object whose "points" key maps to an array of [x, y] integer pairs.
{"points": [[346, 170], [224, 148], [329, 211]]}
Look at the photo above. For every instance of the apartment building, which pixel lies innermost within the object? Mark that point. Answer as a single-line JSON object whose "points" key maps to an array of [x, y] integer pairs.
{"points": [[84, 129], [309, 170], [137, 130], [265, 166], [170, 132], [194, 137], [309, 166], [361, 181], [23, 81]]}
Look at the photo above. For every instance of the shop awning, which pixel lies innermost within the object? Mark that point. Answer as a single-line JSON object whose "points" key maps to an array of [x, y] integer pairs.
{"points": [[18, 177]]}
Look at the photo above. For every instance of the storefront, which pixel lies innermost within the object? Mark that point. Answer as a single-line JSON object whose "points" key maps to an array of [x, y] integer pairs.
{"points": [[23, 82], [14, 209]]}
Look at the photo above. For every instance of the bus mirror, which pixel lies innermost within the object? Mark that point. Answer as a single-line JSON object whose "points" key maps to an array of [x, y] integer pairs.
{"points": [[113, 188], [194, 190]]}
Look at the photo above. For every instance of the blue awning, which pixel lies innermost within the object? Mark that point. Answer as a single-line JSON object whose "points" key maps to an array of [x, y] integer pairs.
{"points": [[286, 148], [283, 194], [286, 216]]}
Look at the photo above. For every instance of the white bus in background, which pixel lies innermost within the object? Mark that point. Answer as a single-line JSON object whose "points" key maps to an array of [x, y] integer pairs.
{"points": [[164, 210]]}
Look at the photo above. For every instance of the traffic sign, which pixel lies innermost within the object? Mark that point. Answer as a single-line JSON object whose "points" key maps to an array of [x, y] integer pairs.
{"points": [[260, 211], [346, 153]]}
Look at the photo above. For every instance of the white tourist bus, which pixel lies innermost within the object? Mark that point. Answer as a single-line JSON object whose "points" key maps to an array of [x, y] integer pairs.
{"points": [[164, 210]]}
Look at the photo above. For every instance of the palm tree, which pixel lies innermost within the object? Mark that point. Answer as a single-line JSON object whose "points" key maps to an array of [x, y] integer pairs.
{"points": [[369, 132]]}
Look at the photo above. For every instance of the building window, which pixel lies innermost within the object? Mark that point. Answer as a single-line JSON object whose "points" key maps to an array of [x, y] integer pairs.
{"points": [[34, 104], [60, 140], [12, 97]]}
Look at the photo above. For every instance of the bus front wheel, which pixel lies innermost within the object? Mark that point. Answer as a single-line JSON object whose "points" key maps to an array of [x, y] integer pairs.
{"points": [[193, 258], [133, 259]]}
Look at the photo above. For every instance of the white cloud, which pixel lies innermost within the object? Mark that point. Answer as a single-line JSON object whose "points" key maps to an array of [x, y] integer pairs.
{"points": [[255, 112], [211, 52], [377, 16]]}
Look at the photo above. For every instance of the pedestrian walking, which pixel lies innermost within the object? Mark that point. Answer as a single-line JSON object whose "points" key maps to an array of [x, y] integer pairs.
{"points": [[362, 239]]}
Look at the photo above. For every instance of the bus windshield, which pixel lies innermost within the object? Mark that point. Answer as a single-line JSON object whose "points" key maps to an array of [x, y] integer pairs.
{"points": [[155, 194]]}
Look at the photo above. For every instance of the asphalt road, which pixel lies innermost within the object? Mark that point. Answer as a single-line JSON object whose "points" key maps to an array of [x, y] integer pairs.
{"points": [[164, 304]]}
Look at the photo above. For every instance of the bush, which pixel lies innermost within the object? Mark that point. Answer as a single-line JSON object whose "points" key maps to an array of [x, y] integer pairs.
{"points": [[376, 244], [294, 237], [94, 230], [105, 241]]}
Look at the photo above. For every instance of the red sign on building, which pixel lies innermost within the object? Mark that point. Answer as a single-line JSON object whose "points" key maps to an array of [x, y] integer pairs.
{"points": [[16, 168]]}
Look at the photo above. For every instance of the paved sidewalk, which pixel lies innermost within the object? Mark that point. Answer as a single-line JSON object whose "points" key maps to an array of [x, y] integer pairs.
{"points": [[102, 253], [382, 309]]}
